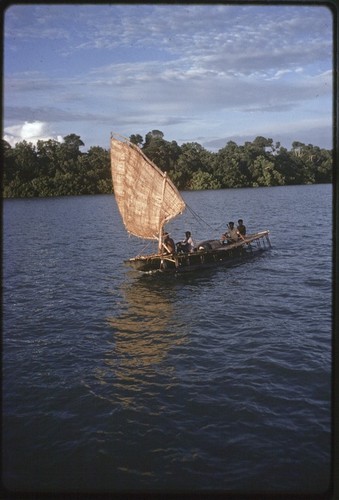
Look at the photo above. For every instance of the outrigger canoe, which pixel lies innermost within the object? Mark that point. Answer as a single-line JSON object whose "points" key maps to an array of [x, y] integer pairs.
{"points": [[147, 200]]}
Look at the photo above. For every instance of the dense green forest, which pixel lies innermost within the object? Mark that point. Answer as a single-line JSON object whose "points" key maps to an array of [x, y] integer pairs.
{"points": [[52, 168]]}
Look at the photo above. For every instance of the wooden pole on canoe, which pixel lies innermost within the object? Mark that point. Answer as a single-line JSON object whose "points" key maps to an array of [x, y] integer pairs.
{"points": [[161, 242]]}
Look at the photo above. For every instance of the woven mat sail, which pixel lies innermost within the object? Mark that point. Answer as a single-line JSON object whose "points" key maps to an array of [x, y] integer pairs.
{"points": [[146, 198]]}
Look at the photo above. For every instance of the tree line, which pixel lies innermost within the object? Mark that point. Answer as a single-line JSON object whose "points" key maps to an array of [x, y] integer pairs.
{"points": [[51, 168]]}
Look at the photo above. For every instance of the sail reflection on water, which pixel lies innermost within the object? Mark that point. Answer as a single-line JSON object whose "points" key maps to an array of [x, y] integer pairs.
{"points": [[143, 335], [147, 327]]}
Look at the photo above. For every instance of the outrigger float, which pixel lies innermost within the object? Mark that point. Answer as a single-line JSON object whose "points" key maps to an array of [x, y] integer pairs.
{"points": [[147, 200]]}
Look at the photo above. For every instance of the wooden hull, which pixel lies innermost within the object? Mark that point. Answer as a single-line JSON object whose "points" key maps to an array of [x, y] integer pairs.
{"points": [[209, 254]]}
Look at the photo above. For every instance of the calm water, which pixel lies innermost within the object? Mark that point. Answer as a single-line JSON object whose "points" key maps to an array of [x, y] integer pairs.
{"points": [[218, 380]]}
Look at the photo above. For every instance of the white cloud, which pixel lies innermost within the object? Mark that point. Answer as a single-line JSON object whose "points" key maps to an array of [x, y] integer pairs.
{"points": [[30, 132]]}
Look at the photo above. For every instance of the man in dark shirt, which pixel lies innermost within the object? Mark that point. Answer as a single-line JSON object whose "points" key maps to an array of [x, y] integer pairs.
{"points": [[241, 228], [168, 244]]}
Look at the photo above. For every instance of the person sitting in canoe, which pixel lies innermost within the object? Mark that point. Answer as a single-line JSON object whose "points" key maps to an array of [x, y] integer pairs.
{"points": [[231, 236], [168, 244], [187, 245], [241, 228]]}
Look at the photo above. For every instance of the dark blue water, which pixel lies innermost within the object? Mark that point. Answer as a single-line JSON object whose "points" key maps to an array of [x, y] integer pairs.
{"points": [[218, 380]]}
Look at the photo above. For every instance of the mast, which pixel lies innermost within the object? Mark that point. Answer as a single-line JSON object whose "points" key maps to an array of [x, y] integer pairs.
{"points": [[161, 228]]}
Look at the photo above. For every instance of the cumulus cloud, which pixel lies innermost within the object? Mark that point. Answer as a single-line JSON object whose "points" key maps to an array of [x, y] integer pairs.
{"points": [[30, 132]]}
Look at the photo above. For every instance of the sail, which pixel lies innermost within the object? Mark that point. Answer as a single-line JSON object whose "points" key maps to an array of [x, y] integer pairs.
{"points": [[146, 197]]}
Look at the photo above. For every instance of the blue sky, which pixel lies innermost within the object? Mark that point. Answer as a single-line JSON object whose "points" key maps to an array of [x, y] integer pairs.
{"points": [[199, 73]]}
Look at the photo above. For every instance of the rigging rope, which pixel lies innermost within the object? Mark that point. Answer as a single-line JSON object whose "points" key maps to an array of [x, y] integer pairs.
{"points": [[148, 244], [197, 216]]}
